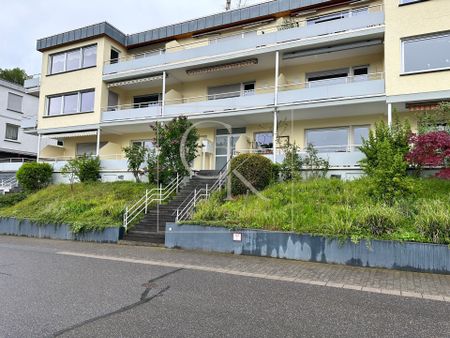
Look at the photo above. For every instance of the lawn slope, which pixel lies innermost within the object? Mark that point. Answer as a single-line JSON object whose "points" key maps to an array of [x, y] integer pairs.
{"points": [[338, 209], [88, 206]]}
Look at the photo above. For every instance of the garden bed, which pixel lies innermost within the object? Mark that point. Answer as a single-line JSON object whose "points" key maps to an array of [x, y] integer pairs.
{"points": [[85, 208], [338, 209]]}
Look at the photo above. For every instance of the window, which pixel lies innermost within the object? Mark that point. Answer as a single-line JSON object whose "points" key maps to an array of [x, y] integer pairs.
{"points": [[231, 90], [113, 101], [360, 73], [113, 56], [407, 2], [426, 53], [264, 140], [15, 102], [60, 143], [328, 139], [338, 139], [143, 143], [328, 77], [79, 58], [146, 100], [11, 132], [86, 149], [337, 16], [71, 103]]}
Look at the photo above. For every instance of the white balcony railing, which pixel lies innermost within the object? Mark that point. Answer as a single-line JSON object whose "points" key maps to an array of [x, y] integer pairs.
{"points": [[289, 32], [32, 81], [259, 98], [338, 156]]}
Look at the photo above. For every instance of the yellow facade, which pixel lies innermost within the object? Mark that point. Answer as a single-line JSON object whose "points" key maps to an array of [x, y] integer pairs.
{"points": [[383, 62]]}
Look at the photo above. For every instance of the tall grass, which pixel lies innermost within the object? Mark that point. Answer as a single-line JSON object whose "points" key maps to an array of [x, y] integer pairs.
{"points": [[337, 208], [89, 206]]}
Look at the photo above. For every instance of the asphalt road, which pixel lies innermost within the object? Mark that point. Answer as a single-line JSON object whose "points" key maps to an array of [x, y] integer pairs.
{"points": [[43, 293]]}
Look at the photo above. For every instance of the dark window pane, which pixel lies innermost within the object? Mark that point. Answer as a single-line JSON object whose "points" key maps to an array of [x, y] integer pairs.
{"points": [[89, 56], [87, 101], [73, 60], [70, 103], [57, 63], [54, 105]]}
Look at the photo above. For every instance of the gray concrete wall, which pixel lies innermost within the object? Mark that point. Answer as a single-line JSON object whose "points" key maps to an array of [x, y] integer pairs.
{"points": [[12, 226], [382, 254]]}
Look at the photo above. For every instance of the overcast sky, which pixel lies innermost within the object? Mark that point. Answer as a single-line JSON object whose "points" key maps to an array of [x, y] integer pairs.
{"points": [[25, 21]]}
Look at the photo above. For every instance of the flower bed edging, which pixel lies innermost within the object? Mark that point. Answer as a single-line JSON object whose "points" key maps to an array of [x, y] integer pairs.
{"points": [[26, 228], [421, 257]]}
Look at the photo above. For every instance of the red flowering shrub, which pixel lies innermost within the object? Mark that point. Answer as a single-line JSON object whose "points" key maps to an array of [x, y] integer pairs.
{"points": [[430, 149]]}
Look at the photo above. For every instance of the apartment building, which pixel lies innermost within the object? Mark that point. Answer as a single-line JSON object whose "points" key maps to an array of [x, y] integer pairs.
{"points": [[318, 72], [17, 110]]}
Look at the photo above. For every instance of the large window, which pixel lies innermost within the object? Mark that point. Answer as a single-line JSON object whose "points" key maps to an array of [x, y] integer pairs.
{"points": [[11, 132], [147, 144], [426, 53], [71, 103], [264, 140], [338, 139], [79, 58], [15, 102]]}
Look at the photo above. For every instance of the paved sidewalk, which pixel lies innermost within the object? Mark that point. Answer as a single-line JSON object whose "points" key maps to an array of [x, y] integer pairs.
{"points": [[397, 283]]}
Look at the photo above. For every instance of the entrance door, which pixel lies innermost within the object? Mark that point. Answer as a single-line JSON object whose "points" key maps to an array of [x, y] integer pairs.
{"points": [[223, 153]]}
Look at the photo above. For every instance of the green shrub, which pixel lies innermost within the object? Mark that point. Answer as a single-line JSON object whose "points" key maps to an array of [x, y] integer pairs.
{"points": [[316, 167], [379, 220], [385, 160], [34, 176], [89, 168], [85, 168], [255, 169], [291, 167], [11, 199], [433, 221]]}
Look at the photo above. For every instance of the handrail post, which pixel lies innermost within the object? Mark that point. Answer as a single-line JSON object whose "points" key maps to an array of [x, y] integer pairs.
{"points": [[160, 192], [178, 215], [178, 176], [195, 197], [206, 191], [125, 220], [146, 201]]}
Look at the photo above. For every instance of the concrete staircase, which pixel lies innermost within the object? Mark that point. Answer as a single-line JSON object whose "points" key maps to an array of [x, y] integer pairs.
{"points": [[152, 228]]}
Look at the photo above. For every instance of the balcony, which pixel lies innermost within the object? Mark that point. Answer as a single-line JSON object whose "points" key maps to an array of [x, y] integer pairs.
{"points": [[32, 83], [347, 158], [251, 42], [258, 99]]}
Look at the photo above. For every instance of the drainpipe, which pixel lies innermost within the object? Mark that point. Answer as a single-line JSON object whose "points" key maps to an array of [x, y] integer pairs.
{"points": [[390, 114], [163, 99], [97, 149], [275, 112], [38, 155]]}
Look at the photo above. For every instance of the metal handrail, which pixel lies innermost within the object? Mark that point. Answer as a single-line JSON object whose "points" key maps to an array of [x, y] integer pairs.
{"points": [[296, 23], [151, 196], [199, 194]]}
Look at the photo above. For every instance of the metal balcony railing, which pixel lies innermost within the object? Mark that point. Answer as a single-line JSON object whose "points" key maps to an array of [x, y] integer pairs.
{"points": [[32, 81], [262, 97], [291, 30]]}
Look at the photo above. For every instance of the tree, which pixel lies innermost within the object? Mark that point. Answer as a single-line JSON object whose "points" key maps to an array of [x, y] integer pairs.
{"points": [[14, 75], [135, 155], [291, 167], [85, 168], [177, 148], [430, 149]]}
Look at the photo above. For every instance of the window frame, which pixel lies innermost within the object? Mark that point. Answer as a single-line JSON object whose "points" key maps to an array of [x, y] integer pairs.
{"points": [[62, 104], [65, 53], [421, 38], [351, 146], [18, 132]]}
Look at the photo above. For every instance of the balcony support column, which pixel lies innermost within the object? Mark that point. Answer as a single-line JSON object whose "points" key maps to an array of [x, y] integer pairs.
{"points": [[163, 98], [275, 134], [38, 153], [97, 148], [275, 111], [390, 114]]}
